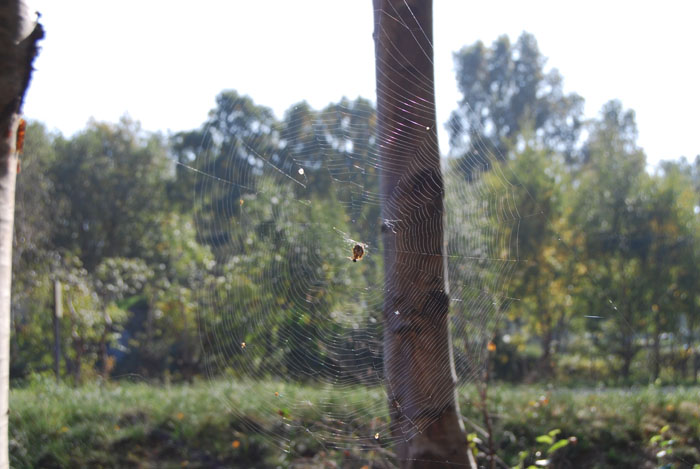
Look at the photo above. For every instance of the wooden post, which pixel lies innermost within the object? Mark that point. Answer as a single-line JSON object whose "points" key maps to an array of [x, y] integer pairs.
{"points": [[418, 361], [57, 315]]}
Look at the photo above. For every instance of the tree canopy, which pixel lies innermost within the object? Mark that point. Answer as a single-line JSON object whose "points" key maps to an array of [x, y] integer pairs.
{"points": [[156, 238]]}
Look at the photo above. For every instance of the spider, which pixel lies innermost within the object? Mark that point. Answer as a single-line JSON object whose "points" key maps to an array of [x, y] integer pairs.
{"points": [[358, 249], [357, 252]]}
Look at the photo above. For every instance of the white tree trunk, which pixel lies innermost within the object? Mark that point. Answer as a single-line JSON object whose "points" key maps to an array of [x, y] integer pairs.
{"points": [[19, 33], [8, 172]]}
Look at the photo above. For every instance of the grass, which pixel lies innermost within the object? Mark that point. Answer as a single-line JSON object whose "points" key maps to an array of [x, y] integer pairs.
{"points": [[227, 424], [612, 427]]}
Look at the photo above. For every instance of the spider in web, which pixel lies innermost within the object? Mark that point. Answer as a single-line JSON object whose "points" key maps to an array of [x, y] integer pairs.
{"points": [[357, 252], [358, 249]]}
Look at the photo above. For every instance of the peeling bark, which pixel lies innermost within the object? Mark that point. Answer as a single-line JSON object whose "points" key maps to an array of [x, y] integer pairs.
{"points": [[19, 33]]}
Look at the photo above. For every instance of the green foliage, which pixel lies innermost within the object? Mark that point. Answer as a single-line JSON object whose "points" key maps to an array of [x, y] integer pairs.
{"points": [[543, 276], [33, 198], [164, 335], [149, 293], [503, 87], [599, 256], [109, 184], [32, 256], [544, 458], [582, 265]]}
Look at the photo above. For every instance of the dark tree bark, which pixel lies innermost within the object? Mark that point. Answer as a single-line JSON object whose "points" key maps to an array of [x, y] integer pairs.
{"points": [[656, 348], [418, 360], [18, 36]]}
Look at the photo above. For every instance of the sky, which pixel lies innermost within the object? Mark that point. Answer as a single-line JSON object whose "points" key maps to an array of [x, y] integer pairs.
{"points": [[163, 62]]}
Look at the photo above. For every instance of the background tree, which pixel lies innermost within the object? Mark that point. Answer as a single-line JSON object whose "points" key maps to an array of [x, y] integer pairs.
{"points": [[108, 188], [33, 254], [687, 298], [503, 87], [543, 271], [350, 127], [237, 137], [163, 327], [609, 210], [669, 206]]}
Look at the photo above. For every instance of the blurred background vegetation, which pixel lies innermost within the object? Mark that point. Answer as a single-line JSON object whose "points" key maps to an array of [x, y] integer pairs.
{"points": [[606, 283], [607, 274]]}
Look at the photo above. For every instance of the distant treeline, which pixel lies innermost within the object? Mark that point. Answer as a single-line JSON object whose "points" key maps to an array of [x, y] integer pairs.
{"points": [[138, 228]]}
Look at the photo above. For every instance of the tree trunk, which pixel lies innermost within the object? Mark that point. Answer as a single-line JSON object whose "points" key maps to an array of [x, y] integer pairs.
{"points": [[691, 336], [78, 345], [8, 165], [57, 315], [418, 362], [103, 357], [18, 36], [626, 367], [656, 349], [547, 370]]}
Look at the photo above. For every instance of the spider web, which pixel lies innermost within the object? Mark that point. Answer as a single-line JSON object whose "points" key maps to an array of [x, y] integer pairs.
{"points": [[336, 347], [284, 204]]}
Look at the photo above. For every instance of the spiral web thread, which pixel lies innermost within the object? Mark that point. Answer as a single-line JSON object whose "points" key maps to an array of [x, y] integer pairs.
{"points": [[291, 305]]}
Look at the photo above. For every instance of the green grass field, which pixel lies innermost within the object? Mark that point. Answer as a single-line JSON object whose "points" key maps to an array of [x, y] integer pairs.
{"points": [[139, 425]]}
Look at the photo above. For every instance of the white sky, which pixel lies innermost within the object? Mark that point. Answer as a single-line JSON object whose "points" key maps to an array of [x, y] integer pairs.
{"points": [[163, 62]]}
